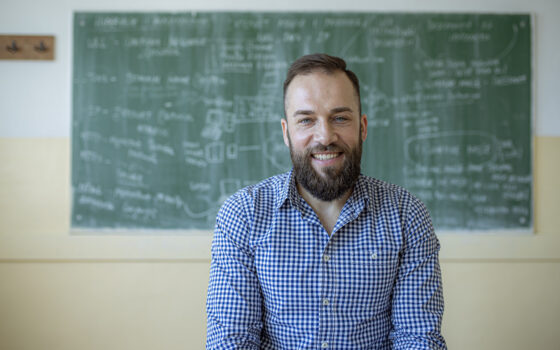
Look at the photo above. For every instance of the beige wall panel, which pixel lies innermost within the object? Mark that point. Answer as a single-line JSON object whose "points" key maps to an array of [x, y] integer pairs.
{"points": [[34, 186], [546, 179], [508, 305], [61, 291], [93, 306]]}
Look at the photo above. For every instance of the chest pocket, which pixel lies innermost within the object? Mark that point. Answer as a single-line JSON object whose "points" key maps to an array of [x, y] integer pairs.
{"points": [[373, 256]]}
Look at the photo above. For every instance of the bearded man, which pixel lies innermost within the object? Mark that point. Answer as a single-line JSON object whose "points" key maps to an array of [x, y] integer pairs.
{"points": [[322, 256]]}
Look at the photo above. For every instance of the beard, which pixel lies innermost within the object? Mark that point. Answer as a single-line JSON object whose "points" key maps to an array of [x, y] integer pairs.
{"points": [[333, 183]]}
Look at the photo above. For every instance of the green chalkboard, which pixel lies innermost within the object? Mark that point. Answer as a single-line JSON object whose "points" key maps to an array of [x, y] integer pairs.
{"points": [[173, 112]]}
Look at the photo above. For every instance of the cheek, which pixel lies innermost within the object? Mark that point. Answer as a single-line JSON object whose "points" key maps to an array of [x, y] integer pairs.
{"points": [[350, 137], [300, 138]]}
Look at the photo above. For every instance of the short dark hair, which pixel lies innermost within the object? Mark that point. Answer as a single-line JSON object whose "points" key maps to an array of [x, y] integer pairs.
{"points": [[324, 63]]}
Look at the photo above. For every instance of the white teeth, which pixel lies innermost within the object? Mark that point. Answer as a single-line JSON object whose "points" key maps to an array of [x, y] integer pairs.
{"points": [[325, 156]]}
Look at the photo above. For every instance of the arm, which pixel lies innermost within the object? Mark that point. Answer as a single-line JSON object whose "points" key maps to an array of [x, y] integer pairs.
{"points": [[417, 295], [233, 305]]}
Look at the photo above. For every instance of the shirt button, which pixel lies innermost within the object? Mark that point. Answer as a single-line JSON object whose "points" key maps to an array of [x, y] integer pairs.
{"points": [[325, 301], [374, 255], [326, 258], [325, 345]]}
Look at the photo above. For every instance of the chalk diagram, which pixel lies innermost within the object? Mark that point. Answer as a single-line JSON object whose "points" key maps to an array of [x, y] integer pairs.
{"points": [[218, 145]]}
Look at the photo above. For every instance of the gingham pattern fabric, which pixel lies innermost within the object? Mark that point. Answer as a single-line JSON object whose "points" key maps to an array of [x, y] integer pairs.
{"points": [[279, 281]]}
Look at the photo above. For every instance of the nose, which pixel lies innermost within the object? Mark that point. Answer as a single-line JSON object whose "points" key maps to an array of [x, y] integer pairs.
{"points": [[325, 133]]}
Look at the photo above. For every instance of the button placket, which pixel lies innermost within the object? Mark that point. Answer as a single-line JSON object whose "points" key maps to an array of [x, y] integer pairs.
{"points": [[324, 314]]}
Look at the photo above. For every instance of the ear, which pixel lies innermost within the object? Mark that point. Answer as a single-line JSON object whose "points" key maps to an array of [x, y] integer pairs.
{"points": [[363, 123], [285, 131]]}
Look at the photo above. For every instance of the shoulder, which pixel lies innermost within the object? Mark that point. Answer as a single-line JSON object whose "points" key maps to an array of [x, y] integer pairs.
{"points": [[251, 202], [399, 206], [381, 193], [265, 192], [416, 228]]}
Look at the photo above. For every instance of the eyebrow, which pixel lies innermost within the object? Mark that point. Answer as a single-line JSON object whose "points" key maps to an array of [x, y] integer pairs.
{"points": [[311, 112], [303, 112], [341, 109]]}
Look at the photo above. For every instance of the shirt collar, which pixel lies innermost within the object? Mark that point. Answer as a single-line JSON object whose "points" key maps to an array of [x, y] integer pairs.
{"points": [[361, 196], [288, 193], [284, 189]]}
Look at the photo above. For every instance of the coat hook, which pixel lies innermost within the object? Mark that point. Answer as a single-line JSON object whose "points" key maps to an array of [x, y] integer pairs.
{"points": [[41, 47], [13, 48]]}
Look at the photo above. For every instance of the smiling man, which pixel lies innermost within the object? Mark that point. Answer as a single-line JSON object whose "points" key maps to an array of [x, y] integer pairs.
{"points": [[323, 256]]}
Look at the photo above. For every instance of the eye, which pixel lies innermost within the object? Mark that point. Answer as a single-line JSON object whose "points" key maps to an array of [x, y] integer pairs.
{"points": [[304, 121], [340, 119]]}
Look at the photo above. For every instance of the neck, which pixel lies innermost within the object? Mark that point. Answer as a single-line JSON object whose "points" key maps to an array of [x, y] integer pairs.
{"points": [[327, 211]]}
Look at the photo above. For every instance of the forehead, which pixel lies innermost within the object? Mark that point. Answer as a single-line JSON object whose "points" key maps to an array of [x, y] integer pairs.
{"points": [[321, 90]]}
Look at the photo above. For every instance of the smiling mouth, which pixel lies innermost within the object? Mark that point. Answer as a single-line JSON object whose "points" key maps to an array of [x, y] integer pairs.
{"points": [[325, 156]]}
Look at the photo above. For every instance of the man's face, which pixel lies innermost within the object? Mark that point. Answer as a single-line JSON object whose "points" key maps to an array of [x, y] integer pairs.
{"points": [[324, 131]]}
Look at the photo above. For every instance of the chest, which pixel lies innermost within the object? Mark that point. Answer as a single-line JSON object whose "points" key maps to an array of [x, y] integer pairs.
{"points": [[299, 265]]}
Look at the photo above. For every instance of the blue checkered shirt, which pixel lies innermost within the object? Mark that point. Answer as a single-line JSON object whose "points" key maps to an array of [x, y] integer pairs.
{"points": [[279, 281]]}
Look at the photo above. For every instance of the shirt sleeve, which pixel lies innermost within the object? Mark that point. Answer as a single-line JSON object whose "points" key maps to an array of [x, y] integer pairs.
{"points": [[233, 304], [418, 296]]}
